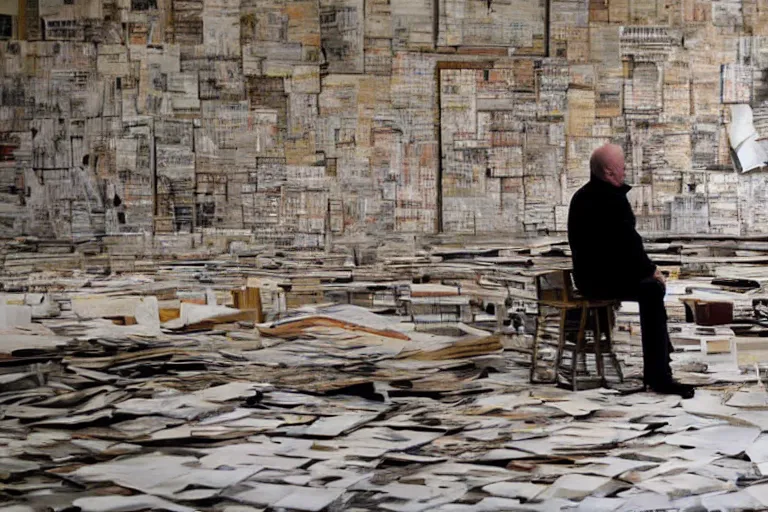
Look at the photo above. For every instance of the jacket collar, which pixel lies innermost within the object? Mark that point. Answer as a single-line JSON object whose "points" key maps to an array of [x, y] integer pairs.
{"points": [[607, 187]]}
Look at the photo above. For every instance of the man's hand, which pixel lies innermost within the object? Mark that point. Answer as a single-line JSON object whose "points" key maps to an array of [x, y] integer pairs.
{"points": [[660, 277]]}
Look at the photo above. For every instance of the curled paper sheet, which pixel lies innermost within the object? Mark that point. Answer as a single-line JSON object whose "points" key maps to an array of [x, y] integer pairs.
{"points": [[743, 138]]}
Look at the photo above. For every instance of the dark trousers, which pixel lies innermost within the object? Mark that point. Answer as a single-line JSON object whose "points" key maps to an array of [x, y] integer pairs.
{"points": [[649, 294], [657, 347]]}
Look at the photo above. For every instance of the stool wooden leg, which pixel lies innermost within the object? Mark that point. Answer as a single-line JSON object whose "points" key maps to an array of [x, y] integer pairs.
{"points": [[535, 350], [560, 342], [609, 336], [579, 349], [598, 348], [540, 323]]}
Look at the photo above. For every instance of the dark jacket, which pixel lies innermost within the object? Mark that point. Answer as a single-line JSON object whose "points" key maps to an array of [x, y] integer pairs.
{"points": [[608, 254]]}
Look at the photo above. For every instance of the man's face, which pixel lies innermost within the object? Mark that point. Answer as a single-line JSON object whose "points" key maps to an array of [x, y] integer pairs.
{"points": [[614, 168]]}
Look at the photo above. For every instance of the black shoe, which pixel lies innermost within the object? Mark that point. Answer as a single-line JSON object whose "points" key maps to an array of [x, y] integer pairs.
{"points": [[672, 387]]}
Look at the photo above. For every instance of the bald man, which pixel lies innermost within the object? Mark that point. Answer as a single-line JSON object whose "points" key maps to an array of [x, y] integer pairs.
{"points": [[609, 262]]}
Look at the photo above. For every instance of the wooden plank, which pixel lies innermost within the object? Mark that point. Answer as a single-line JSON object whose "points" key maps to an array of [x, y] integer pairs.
{"points": [[167, 314], [249, 299], [292, 329]]}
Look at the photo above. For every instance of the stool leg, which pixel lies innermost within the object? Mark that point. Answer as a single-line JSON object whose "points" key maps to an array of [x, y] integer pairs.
{"points": [[535, 349], [579, 346], [598, 348], [560, 342], [609, 336]]}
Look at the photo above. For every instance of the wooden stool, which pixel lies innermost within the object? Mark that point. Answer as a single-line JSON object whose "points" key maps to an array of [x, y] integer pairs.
{"points": [[578, 318]]}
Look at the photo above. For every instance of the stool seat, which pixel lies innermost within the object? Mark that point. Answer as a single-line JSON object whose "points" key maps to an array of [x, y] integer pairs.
{"points": [[578, 303], [578, 318]]}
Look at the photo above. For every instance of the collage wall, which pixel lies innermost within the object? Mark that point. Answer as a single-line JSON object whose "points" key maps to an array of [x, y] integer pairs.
{"points": [[296, 120]]}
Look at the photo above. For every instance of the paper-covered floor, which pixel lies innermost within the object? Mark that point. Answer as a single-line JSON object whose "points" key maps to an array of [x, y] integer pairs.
{"points": [[110, 401]]}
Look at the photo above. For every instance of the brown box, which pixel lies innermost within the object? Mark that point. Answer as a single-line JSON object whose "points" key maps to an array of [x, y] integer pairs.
{"points": [[713, 313]]}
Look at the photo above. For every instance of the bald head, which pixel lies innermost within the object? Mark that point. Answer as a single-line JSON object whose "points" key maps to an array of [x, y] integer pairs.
{"points": [[607, 164]]}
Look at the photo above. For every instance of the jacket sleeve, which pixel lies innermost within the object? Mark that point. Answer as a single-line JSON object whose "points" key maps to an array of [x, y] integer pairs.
{"points": [[637, 259]]}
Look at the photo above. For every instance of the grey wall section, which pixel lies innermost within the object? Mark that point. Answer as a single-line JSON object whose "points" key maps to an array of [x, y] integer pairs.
{"points": [[296, 119]]}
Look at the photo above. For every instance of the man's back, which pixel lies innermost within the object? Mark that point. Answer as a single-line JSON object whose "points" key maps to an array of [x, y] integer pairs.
{"points": [[608, 254]]}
